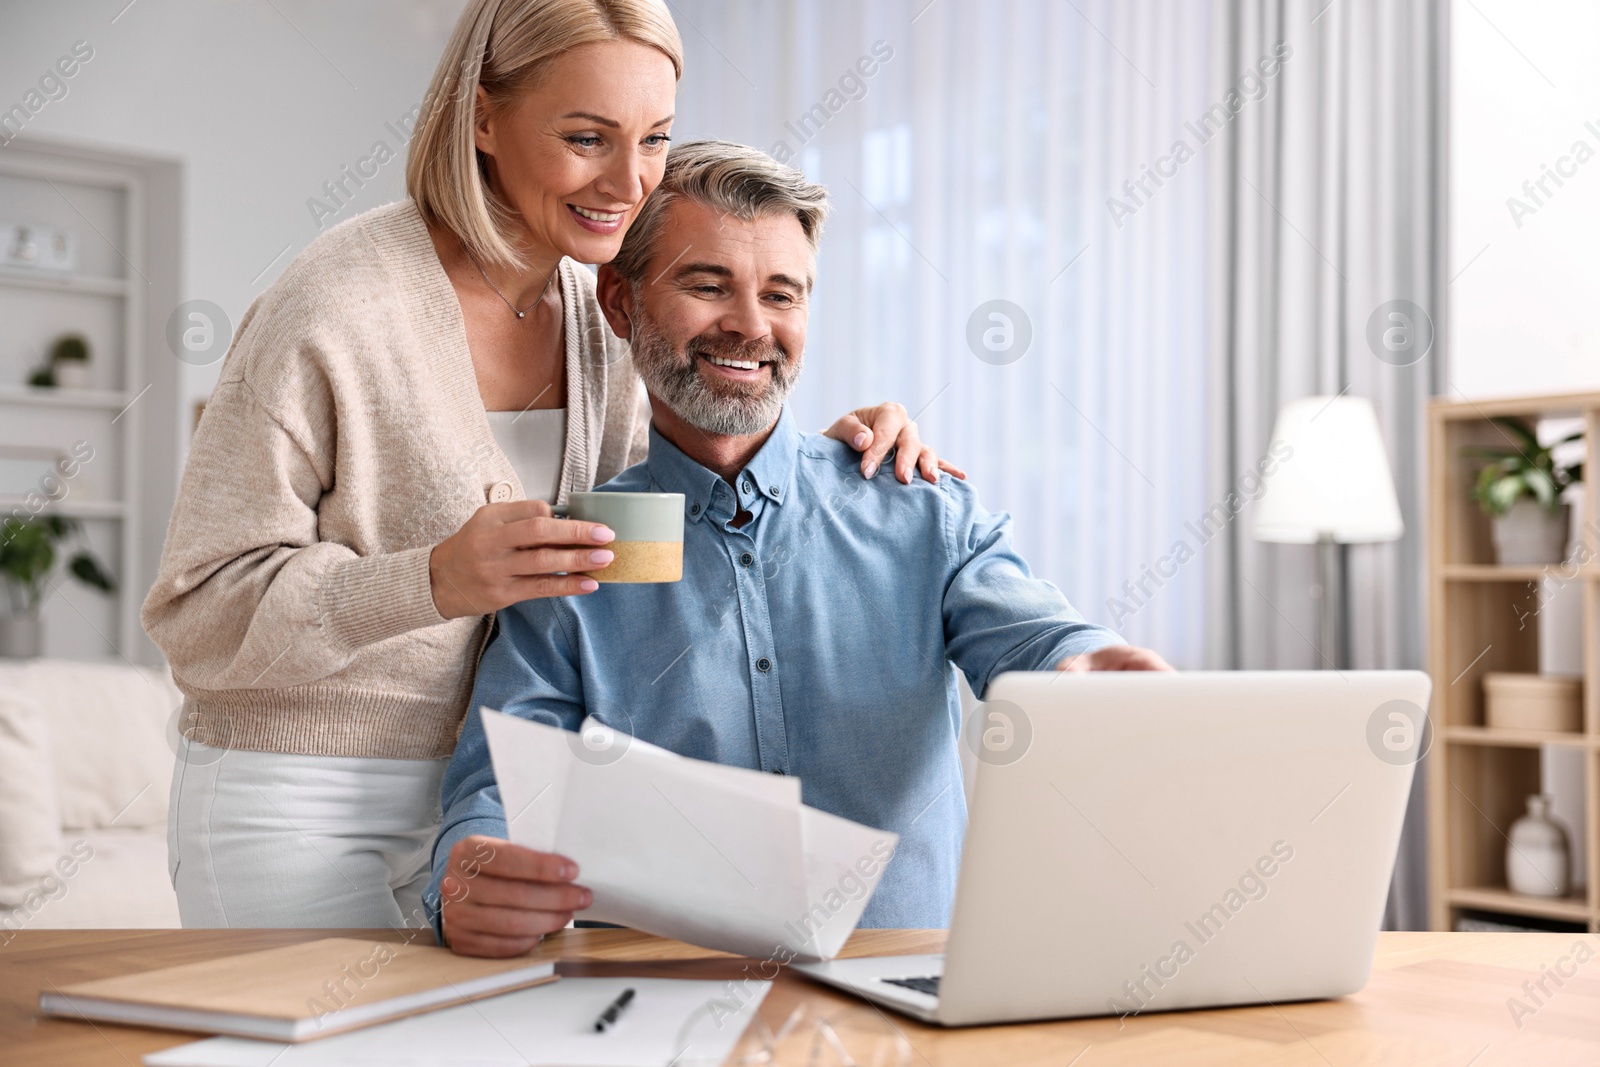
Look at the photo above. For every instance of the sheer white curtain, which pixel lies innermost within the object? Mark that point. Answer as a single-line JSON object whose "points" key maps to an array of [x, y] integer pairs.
{"points": [[1330, 205], [972, 151]]}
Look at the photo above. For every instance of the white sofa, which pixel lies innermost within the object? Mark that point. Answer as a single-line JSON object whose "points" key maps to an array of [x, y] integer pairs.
{"points": [[86, 754]]}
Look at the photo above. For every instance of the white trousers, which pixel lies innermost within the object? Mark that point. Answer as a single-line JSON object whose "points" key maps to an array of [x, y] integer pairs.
{"points": [[259, 839]]}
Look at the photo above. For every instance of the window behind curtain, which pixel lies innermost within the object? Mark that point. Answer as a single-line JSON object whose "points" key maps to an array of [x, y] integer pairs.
{"points": [[972, 152]]}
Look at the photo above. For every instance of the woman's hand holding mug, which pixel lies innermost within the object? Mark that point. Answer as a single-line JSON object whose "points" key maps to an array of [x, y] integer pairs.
{"points": [[511, 552]]}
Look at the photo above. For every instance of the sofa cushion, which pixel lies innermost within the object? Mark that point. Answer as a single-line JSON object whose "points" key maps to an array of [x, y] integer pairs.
{"points": [[30, 816], [102, 879], [108, 726]]}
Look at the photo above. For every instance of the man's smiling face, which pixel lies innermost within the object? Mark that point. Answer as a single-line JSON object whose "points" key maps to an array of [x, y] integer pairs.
{"points": [[719, 321]]}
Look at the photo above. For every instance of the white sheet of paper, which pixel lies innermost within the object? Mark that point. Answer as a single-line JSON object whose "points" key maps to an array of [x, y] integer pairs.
{"points": [[695, 1021], [723, 857]]}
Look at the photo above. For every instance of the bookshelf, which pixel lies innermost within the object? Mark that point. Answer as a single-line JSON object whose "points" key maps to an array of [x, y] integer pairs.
{"points": [[1481, 618], [125, 211]]}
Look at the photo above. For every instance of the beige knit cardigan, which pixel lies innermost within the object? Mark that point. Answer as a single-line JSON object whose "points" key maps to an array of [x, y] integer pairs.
{"points": [[345, 438]]}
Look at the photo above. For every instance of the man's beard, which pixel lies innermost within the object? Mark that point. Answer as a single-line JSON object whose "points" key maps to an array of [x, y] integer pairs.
{"points": [[726, 406]]}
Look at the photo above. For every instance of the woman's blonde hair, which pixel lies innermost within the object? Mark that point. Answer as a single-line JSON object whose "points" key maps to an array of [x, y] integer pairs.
{"points": [[505, 46]]}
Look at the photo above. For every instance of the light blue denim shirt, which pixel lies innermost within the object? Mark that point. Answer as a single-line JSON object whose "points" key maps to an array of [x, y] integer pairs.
{"points": [[821, 639]]}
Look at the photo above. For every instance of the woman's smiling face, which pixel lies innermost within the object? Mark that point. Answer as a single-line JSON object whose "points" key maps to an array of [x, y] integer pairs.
{"points": [[577, 154]]}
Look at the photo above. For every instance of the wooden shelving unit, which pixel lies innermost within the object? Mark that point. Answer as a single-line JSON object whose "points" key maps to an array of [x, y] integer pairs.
{"points": [[1479, 620]]}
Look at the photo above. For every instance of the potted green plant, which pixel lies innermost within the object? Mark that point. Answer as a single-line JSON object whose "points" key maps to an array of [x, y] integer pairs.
{"points": [[1520, 489], [28, 549], [69, 362]]}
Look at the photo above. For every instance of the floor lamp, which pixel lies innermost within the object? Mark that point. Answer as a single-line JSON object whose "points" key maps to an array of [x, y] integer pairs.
{"points": [[1332, 487]]}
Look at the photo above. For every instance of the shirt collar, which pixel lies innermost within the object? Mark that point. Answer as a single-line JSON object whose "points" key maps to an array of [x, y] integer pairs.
{"points": [[769, 473]]}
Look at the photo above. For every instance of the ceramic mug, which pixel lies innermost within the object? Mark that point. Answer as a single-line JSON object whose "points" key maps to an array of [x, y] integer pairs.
{"points": [[649, 529]]}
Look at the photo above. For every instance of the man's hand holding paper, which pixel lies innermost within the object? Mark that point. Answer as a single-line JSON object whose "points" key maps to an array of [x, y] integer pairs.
{"points": [[719, 856], [500, 898]]}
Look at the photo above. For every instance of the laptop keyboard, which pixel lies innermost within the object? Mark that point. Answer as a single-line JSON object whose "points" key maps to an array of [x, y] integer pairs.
{"points": [[928, 985]]}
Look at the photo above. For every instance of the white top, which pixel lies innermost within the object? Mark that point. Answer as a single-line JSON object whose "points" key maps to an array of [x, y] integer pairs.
{"points": [[533, 441]]}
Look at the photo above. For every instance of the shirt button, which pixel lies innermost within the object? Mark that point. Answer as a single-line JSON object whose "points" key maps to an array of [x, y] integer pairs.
{"points": [[748, 488], [773, 489], [746, 559], [763, 665], [779, 770], [500, 492], [694, 509]]}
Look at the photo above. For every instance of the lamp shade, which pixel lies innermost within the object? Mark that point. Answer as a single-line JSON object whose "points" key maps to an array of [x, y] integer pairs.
{"points": [[1333, 480]]}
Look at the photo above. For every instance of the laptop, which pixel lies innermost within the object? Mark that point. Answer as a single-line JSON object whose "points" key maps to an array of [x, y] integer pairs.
{"points": [[1143, 842]]}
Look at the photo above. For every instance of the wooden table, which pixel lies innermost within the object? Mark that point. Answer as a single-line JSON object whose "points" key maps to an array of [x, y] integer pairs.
{"points": [[1433, 999]]}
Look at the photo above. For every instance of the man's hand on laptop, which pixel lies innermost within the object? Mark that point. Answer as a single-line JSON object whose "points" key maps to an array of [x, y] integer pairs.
{"points": [[503, 904], [1116, 658]]}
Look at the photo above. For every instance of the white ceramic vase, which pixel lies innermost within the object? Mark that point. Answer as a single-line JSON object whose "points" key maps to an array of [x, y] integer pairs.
{"points": [[70, 373], [1538, 860], [20, 635], [1531, 534]]}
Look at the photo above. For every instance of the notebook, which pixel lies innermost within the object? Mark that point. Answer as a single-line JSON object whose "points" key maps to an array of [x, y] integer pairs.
{"points": [[297, 992]]}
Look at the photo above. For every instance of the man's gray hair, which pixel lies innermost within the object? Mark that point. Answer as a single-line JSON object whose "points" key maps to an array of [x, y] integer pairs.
{"points": [[734, 178]]}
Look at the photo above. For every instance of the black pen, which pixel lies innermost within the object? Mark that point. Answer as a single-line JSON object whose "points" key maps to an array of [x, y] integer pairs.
{"points": [[609, 1016]]}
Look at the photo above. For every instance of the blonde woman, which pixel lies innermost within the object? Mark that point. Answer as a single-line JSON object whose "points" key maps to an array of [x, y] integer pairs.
{"points": [[373, 475]]}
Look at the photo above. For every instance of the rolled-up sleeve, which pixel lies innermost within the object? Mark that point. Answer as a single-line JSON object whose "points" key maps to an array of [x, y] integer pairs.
{"points": [[998, 616]]}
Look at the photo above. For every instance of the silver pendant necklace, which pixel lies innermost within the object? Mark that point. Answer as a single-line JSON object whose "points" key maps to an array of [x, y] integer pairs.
{"points": [[502, 296]]}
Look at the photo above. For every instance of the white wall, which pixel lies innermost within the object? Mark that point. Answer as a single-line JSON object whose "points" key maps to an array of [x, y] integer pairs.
{"points": [[263, 102], [1524, 315]]}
